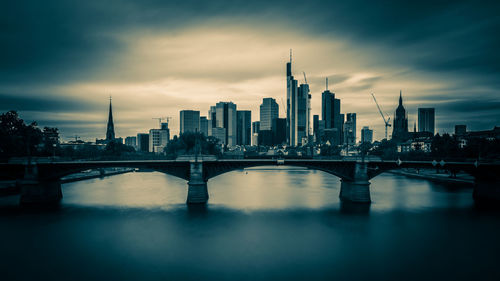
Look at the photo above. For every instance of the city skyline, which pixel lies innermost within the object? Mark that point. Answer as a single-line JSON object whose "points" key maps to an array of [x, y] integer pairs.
{"points": [[63, 72]]}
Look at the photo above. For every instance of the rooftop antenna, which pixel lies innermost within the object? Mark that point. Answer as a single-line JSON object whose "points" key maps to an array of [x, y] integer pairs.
{"points": [[305, 78], [290, 55], [327, 83]]}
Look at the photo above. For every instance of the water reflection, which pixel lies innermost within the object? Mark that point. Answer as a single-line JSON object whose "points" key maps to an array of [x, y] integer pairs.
{"points": [[259, 225]]}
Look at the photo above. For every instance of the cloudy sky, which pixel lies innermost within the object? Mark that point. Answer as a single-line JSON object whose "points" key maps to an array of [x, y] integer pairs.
{"points": [[61, 60]]}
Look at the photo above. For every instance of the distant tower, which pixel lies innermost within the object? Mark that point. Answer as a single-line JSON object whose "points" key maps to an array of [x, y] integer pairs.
{"points": [[400, 126], [110, 132]]}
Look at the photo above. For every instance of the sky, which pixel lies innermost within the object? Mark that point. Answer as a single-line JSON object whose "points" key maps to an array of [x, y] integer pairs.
{"points": [[61, 60]]}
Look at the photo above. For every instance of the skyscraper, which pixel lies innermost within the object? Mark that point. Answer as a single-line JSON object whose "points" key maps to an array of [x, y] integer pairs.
{"points": [[244, 127], [110, 131], [143, 142], [269, 110], [189, 121], [330, 113], [400, 125], [255, 132], [297, 113], [204, 125], [426, 120], [366, 135], [350, 129], [225, 117]]}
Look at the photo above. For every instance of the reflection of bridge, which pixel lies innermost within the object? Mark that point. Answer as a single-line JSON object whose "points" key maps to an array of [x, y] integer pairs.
{"points": [[40, 183]]}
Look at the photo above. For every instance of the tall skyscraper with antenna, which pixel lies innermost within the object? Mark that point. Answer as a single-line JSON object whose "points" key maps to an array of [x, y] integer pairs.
{"points": [[297, 109]]}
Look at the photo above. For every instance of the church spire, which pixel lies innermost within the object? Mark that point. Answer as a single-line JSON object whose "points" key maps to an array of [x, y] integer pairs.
{"points": [[110, 132]]}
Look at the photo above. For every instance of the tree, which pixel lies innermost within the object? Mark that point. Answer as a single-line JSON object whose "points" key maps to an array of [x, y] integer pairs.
{"points": [[192, 143], [17, 138]]}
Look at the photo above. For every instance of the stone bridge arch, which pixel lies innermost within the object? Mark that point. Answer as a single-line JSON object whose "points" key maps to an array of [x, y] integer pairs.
{"points": [[342, 170]]}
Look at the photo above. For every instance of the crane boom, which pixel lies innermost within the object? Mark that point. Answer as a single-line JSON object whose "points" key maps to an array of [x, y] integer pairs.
{"points": [[380, 110]]}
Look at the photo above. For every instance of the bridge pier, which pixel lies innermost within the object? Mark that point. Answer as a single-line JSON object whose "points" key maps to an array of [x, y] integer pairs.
{"points": [[197, 186], [36, 192], [356, 190]]}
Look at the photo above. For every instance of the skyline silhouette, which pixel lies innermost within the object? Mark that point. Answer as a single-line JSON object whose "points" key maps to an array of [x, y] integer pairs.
{"points": [[59, 66]]}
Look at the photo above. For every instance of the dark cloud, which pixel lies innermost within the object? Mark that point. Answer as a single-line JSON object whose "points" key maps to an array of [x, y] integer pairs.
{"points": [[45, 103], [63, 40]]}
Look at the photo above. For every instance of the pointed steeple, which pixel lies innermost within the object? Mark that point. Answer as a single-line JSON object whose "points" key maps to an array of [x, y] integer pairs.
{"points": [[110, 132], [400, 98]]}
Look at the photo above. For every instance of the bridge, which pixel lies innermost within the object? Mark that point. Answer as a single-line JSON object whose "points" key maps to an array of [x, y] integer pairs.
{"points": [[40, 182]]}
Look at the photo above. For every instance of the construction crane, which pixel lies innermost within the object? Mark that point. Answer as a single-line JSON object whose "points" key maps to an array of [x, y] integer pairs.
{"points": [[162, 118], [387, 122]]}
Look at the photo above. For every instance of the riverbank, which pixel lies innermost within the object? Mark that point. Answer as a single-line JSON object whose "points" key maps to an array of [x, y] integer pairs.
{"points": [[431, 175], [9, 188], [92, 174]]}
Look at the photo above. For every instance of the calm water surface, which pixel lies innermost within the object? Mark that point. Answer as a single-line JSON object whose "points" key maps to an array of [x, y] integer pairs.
{"points": [[260, 224]]}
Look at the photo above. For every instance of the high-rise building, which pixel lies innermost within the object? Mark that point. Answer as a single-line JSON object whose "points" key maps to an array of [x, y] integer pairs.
{"points": [[244, 128], [204, 125], [131, 141], [426, 120], [316, 127], [220, 134], [224, 116], [279, 131], [366, 135], [400, 125], [189, 121], [269, 110], [158, 138], [255, 132], [298, 107], [143, 142], [212, 119], [350, 129], [110, 131], [330, 113]]}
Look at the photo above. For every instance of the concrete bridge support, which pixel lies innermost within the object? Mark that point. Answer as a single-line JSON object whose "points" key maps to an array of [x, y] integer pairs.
{"points": [[357, 189], [197, 186], [36, 192]]}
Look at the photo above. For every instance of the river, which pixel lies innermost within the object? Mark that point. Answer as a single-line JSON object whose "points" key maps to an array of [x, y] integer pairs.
{"points": [[259, 224]]}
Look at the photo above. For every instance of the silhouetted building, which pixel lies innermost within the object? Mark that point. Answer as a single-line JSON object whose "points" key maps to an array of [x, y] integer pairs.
{"points": [[315, 127], [366, 135], [426, 120], [204, 125], [269, 110], [266, 137], [212, 120], [244, 130], [143, 142], [131, 141], [400, 125], [330, 114], [226, 118], [110, 131], [350, 129], [189, 121], [298, 106], [279, 131], [304, 100]]}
